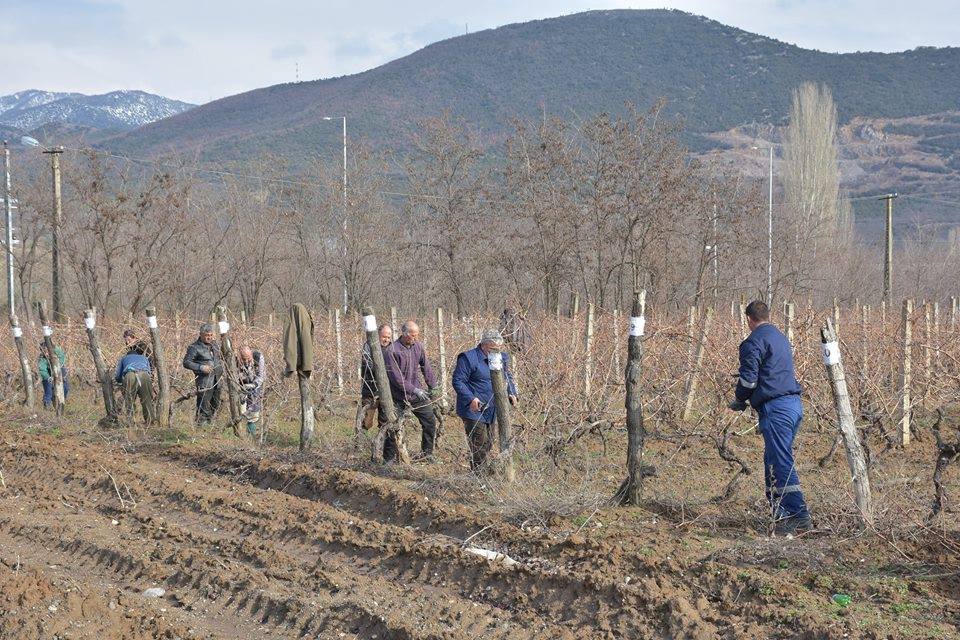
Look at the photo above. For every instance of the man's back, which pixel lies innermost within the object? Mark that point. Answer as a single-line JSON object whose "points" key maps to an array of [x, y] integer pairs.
{"points": [[766, 366]]}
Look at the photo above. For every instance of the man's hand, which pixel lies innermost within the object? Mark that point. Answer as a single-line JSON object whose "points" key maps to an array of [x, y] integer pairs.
{"points": [[737, 405], [205, 368], [421, 395], [513, 401], [475, 405]]}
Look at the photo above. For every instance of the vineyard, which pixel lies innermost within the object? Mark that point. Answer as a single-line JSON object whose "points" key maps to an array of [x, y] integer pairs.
{"points": [[252, 537]]}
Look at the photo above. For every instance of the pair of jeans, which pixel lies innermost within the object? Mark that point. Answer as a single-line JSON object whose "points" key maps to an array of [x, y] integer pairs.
{"points": [[48, 387], [779, 423], [480, 439]]}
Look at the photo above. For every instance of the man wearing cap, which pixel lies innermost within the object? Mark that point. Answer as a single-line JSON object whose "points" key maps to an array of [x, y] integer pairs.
{"points": [[203, 358], [475, 405], [405, 366], [134, 344]]}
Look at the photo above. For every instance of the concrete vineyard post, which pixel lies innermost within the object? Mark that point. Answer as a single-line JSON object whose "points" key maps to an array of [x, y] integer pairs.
{"points": [[442, 352], [788, 322], [160, 363], [230, 369], [502, 403], [575, 306], [848, 430], [588, 353], [26, 376], [104, 376], [927, 349], [383, 393], [616, 339], [338, 339], [393, 323], [691, 338], [694, 378], [904, 408], [630, 490], [743, 322]]}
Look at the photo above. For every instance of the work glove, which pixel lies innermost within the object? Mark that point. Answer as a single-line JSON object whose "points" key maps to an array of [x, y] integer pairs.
{"points": [[738, 405], [421, 395], [434, 392], [249, 385]]}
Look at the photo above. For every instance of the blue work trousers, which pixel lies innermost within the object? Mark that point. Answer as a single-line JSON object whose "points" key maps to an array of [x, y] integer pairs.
{"points": [[48, 388], [779, 423]]}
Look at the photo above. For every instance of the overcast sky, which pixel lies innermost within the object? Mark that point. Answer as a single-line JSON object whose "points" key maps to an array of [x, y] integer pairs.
{"points": [[199, 50]]}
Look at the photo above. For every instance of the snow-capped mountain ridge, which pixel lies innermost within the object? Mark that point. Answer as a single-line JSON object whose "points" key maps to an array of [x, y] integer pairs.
{"points": [[117, 110]]}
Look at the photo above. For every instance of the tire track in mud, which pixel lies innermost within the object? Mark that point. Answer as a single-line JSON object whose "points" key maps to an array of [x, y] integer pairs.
{"points": [[247, 546]]}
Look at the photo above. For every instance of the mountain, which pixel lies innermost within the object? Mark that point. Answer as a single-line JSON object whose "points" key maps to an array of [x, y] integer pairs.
{"points": [[117, 111], [717, 77]]}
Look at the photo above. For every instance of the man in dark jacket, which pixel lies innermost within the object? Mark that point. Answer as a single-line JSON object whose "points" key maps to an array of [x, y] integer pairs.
{"points": [[475, 406], [767, 381], [203, 358], [407, 362], [133, 371]]}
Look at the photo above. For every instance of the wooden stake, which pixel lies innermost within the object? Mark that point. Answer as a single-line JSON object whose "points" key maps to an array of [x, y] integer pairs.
{"points": [[392, 422], [904, 409], [230, 369], [851, 440], [502, 403], [26, 376], [588, 352], [927, 349], [630, 491], [160, 364], [105, 377], [55, 372], [694, 378], [339, 345], [442, 351], [788, 313]]}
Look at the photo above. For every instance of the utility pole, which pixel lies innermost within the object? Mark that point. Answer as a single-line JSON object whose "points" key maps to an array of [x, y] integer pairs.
{"points": [[57, 293], [770, 232], [8, 208], [888, 254]]}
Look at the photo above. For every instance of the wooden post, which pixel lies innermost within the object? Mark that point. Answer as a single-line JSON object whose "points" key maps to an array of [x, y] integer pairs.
{"points": [[160, 364], [575, 305], [58, 398], [230, 370], [694, 378], [927, 349], [502, 403], [104, 376], [848, 430], [836, 316], [383, 393], [743, 323], [691, 338], [339, 344], [243, 317], [588, 353], [616, 339], [442, 351], [393, 323], [904, 409], [630, 490], [26, 376], [953, 314], [789, 311], [937, 342]]}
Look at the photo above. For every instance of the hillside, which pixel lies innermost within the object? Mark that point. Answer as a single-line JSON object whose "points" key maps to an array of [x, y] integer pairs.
{"points": [[715, 76], [33, 110]]}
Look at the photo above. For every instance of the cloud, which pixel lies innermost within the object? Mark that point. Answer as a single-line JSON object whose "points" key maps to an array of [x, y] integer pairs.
{"points": [[286, 51]]}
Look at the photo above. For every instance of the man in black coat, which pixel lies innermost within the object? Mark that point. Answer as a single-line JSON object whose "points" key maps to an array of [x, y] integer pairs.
{"points": [[203, 358]]}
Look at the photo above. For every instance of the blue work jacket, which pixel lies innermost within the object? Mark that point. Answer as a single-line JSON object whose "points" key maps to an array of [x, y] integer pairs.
{"points": [[471, 379], [766, 367], [131, 362]]}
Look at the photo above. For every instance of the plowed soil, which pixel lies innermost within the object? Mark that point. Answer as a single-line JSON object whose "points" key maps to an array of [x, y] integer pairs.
{"points": [[247, 545]]}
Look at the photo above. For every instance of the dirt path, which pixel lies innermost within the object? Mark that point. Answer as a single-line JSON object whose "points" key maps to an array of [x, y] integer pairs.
{"points": [[248, 548]]}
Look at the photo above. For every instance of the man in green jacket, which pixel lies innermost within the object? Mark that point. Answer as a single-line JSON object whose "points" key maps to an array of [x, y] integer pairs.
{"points": [[46, 374]]}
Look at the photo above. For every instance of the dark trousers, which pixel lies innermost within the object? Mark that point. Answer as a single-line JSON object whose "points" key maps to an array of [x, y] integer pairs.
{"points": [[138, 385], [480, 439], [48, 388], [208, 398], [779, 423], [423, 410]]}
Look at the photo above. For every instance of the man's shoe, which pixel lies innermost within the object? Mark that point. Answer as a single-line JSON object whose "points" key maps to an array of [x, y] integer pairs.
{"points": [[792, 526]]}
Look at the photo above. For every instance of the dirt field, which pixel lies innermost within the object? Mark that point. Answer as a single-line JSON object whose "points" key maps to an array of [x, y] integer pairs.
{"points": [[248, 544]]}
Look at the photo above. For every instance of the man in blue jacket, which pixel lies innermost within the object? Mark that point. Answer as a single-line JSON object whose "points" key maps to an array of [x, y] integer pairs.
{"points": [[133, 371], [475, 406], [768, 382]]}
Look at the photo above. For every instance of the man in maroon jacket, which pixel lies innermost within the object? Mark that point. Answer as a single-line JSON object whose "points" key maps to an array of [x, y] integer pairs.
{"points": [[412, 382]]}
